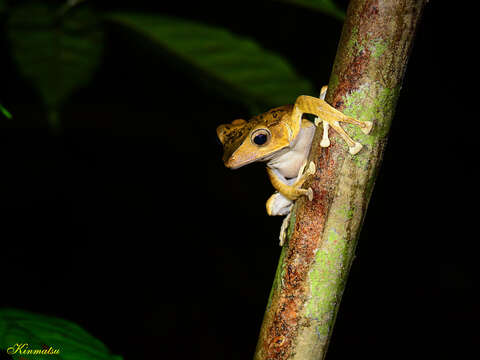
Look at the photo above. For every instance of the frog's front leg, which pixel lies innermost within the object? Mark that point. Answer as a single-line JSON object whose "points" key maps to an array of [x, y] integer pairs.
{"points": [[281, 202], [294, 191], [329, 116]]}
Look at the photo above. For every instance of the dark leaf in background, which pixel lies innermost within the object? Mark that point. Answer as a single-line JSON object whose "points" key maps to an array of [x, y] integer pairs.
{"points": [[45, 332], [58, 49], [5, 112], [242, 68], [325, 6]]}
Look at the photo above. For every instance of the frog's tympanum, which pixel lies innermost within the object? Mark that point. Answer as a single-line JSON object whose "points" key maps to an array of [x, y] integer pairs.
{"points": [[282, 138]]}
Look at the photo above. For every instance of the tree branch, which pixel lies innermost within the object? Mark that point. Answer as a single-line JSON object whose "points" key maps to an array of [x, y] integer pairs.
{"points": [[313, 268]]}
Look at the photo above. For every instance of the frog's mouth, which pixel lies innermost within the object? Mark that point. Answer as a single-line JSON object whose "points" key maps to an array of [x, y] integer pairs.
{"points": [[234, 162]]}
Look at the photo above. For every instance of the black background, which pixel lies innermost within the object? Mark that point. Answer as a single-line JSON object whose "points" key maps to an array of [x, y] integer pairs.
{"points": [[128, 223]]}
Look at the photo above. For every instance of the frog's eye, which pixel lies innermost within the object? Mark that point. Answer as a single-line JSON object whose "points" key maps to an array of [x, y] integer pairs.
{"points": [[260, 137]]}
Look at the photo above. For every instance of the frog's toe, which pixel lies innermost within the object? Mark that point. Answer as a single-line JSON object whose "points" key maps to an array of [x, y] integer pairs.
{"points": [[302, 169], [310, 194], [355, 148], [325, 140], [367, 128], [284, 229]]}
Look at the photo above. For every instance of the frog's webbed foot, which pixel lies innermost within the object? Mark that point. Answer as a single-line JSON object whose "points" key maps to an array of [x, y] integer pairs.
{"points": [[330, 117]]}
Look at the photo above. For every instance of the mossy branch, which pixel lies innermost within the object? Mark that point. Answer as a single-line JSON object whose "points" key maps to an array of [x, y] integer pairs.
{"points": [[365, 83]]}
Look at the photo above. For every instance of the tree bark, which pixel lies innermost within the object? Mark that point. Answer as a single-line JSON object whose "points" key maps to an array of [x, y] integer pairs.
{"points": [[314, 264]]}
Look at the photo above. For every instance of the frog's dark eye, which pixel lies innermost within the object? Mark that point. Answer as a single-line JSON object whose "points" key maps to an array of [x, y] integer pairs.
{"points": [[260, 137]]}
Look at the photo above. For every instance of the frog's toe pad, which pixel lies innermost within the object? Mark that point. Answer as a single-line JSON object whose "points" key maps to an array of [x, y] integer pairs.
{"points": [[311, 168], [310, 194], [355, 148], [325, 142], [367, 128]]}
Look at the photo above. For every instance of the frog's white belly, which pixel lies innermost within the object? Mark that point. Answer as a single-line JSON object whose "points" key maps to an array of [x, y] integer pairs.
{"points": [[289, 163]]}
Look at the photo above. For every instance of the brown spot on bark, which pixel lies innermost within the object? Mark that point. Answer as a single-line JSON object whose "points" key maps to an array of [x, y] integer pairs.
{"points": [[279, 340]]}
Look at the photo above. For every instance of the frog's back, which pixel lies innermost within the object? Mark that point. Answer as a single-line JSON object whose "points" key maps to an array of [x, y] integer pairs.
{"points": [[272, 116]]}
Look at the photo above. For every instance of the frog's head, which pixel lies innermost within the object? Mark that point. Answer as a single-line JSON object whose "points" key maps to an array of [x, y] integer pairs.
{"points": [[258, 139]]}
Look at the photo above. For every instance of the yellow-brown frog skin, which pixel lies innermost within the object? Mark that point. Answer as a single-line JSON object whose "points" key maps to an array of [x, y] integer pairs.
{"points": [[240, 150], [282, 138]]}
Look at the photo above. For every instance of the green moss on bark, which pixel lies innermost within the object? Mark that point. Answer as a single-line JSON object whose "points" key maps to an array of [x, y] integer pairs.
{"points": [[313, 269]]}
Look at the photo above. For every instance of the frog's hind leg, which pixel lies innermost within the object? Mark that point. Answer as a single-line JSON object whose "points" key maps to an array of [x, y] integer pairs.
{"points": [[278, 204], [331, 116]]}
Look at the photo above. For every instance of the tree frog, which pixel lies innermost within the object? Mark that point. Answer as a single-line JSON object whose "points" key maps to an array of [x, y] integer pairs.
{"points": [[282, 138]]}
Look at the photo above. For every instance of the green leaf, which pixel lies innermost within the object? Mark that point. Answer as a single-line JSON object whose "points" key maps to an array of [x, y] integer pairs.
{"points": [[256, 77], [325, 6], [42, 332], [57, 50], [5, 112]]}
